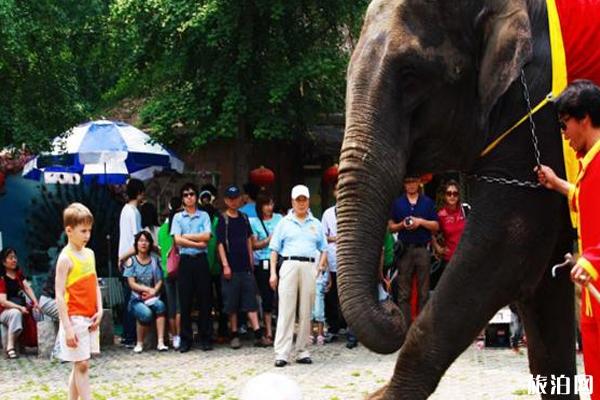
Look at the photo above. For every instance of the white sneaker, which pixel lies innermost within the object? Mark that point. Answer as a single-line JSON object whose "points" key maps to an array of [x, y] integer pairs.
{"points": [[162, 347], [138, 348], [176, 342]]}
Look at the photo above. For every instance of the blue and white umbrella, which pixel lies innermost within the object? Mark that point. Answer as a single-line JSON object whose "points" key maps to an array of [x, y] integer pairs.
{"points": [[105, 152]]}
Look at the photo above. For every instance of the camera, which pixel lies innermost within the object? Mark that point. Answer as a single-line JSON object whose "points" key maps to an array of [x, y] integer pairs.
{"points": [[408, 221]]}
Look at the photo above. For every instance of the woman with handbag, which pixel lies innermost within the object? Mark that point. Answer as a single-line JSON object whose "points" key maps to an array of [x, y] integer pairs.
{"points": [[262, 230], [15, 313]]}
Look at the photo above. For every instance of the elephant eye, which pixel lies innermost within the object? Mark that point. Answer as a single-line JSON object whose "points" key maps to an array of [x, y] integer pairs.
{"points": [[412, 88]]}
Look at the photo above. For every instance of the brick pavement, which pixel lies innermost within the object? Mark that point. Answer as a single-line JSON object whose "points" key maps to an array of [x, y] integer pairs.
{"points": [[337, 374]]}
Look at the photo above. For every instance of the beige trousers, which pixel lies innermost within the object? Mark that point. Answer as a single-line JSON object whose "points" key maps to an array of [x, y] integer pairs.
{"points": [[296, 287]]}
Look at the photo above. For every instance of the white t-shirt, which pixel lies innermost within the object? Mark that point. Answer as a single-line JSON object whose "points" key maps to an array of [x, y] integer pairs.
{"points": [[329, 222], [130, 223]]}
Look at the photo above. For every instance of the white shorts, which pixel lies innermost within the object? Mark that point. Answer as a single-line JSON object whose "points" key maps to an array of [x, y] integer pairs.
{"points": [[88, 341]]}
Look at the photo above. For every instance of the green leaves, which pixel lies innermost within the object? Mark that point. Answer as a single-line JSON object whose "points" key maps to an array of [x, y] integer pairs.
{"points": [[274, 64], [46, 68], [201, 67]]}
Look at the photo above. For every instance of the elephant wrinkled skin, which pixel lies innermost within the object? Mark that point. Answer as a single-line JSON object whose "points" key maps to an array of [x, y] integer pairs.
{"points": [[430, 83]]}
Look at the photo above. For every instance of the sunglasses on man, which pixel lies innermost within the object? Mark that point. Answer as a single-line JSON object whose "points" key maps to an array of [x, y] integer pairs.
{"points": [[451, 193], [562, 123], [189, 194]]}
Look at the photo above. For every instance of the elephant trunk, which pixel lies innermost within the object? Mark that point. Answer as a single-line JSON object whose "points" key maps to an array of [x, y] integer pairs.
{"points": [[366, 189]]}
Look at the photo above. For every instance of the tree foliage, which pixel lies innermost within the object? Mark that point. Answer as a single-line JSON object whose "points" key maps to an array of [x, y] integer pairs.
{"points": [[51, 67], [210, 66], [206, 69]]}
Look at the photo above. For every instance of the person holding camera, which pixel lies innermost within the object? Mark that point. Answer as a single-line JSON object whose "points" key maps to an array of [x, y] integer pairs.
{"points": [[414, 219]]}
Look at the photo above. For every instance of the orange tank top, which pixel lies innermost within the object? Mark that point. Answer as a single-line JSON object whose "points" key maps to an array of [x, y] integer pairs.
{"points": [[82, 283]]}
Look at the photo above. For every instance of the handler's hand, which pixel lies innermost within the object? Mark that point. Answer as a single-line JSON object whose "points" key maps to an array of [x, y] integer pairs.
{"points": [[580, 275], [546, 176]]}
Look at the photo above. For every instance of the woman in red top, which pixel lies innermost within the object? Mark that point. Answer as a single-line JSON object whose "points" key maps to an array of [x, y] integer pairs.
{"points": [[13, 306], [452, 220]]}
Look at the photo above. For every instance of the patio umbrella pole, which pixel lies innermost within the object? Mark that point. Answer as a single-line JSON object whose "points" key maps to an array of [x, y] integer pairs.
{"points": [[109, 252]]}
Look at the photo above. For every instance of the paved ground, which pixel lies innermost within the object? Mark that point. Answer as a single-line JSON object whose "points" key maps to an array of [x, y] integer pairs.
{"points": [[338, 374]]}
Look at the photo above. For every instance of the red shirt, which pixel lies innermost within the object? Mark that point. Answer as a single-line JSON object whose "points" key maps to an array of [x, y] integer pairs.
{"points": [[4, 288], [584, 197], [452, 225]]}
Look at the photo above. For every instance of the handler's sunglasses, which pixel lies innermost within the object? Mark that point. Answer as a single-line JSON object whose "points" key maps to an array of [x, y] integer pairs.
{"points": [[562, 123], [189, 194], [451, 193]]}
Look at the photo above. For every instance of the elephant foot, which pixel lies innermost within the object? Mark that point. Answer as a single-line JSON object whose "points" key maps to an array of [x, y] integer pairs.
{"points": [[380, 394]]}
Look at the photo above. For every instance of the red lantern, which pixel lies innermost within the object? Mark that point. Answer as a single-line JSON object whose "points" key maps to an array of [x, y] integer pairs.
{"points": [[426, 178], [330, 175], [262, 176], [2, 181]]}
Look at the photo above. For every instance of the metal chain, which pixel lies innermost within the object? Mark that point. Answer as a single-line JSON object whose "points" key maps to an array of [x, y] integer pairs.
{"points": [[536, 150], [534, 139], [506, 181]]}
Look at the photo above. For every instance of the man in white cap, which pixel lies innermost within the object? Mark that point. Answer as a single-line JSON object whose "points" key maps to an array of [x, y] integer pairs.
{"points": [[297, 238]]}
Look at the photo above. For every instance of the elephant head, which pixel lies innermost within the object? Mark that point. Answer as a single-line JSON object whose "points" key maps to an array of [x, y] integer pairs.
{"points": [[422, 82]]}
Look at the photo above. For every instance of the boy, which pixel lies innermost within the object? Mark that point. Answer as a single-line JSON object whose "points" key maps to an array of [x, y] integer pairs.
{"points": [[78, 299], [234, 237]]}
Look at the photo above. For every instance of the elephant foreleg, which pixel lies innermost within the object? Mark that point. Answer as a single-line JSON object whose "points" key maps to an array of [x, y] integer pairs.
{"points": [[488, 271]]}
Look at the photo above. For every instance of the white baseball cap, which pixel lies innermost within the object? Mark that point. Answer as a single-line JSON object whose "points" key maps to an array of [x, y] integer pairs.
{"points": [[300, 190]]}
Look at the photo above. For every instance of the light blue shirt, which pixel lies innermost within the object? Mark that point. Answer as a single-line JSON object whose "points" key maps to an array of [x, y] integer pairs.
{"points": [[293, 238], [183, 223], [259, 231], [249, 209]]}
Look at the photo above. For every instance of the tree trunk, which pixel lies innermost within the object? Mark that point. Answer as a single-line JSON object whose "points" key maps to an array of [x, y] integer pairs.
{"points": [[241, 151]]}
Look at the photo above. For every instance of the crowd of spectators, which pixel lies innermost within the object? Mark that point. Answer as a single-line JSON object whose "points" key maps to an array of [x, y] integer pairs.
{"points": [[249, 267]]}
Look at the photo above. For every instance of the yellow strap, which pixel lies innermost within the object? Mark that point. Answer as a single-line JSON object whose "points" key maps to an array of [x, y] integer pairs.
{"points": [[559, 83], [588, 303], [559, 63], [500, 138]]}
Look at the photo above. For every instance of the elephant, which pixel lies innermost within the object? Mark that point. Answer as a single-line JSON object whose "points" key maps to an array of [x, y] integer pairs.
{"points": [[429, 85]]}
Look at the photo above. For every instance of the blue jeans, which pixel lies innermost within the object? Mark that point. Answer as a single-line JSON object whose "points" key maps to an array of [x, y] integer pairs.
{"points": [[145, 314]]}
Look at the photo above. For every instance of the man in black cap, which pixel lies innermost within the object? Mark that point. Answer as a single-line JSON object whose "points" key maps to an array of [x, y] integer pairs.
{"points": [[234, 236], [414, 219]]}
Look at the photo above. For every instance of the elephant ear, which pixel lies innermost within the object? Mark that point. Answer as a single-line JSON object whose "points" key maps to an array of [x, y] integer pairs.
{"points": [[506, 31]]}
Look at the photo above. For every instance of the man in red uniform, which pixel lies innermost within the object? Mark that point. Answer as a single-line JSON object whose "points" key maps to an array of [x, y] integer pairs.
{"points": [[579, 114]]}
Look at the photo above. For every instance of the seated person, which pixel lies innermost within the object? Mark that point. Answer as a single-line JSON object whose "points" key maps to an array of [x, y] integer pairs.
{"points": [[145, 278], [14, 310], [48, 296]]}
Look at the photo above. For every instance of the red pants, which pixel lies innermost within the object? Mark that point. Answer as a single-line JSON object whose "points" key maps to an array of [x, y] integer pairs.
{"points": [[590, 334]]}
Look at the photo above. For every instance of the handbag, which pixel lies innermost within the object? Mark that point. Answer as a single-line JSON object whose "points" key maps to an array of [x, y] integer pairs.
{"points": [[173, 259]]}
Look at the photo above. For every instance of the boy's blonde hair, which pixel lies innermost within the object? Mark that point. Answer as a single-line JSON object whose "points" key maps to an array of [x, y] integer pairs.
{"points": [[76, 214]]}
